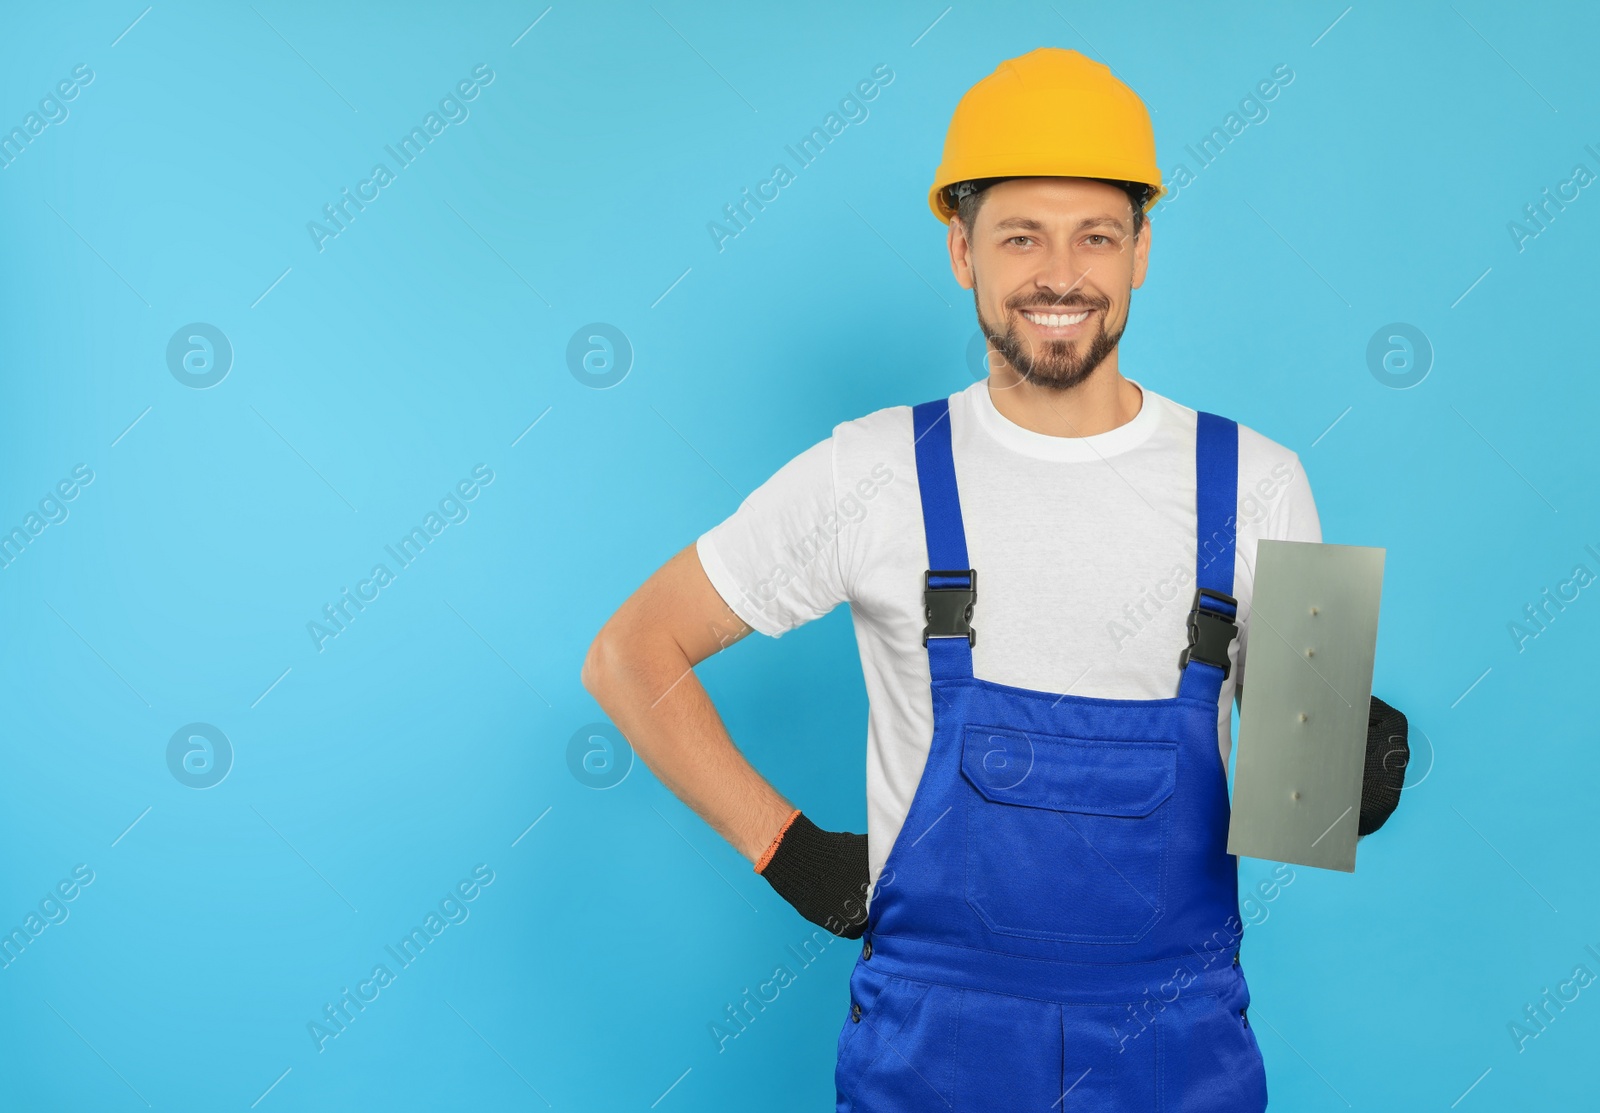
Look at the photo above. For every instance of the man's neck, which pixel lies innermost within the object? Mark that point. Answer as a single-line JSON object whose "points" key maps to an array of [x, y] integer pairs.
{"points": [[1102, 402]]}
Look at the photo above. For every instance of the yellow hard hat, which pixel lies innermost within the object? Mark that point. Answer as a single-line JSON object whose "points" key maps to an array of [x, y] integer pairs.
{"points": [[1050, 113]]}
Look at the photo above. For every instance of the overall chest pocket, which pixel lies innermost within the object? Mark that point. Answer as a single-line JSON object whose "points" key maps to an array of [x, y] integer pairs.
{"points": [[1067, 838]]}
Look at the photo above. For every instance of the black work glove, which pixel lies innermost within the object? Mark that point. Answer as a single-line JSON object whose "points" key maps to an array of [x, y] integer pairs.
{"points": [[824, 874], [1388, 753]]}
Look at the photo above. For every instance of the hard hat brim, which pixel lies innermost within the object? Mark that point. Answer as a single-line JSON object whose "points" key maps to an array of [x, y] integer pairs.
{"points": [[944, 211]]}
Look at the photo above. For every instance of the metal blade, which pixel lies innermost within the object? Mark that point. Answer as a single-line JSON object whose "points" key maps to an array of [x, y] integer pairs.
{"points": [[1303, 714]]}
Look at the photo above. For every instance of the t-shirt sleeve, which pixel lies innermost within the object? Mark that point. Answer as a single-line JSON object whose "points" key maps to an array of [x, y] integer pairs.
{"points": [[1293, 518], [1296, 518], [775, 560]]}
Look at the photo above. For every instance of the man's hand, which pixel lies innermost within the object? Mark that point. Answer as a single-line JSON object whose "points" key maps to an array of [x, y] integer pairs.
{"points": [[823, 874], [1388, 753]]}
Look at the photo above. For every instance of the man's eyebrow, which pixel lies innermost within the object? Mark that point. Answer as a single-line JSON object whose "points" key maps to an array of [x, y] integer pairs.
{"points": [[1028, 224]]}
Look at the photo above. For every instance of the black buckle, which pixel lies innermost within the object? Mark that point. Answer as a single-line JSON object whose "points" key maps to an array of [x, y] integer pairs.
{"points": [[948, 609], [1209, 639]]}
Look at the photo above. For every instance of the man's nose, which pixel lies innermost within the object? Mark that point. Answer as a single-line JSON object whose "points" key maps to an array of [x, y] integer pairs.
{"points": [[1062, 276]]}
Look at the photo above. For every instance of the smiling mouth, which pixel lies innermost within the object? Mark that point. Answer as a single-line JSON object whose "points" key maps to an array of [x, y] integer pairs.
{"points": [[1061, 321]]}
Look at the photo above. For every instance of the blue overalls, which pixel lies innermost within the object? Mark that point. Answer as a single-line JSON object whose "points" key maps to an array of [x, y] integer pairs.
{"points": [[1057, 927]]}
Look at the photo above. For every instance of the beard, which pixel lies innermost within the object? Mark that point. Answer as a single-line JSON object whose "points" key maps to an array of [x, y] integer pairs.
{"points": [[1054, 364]]}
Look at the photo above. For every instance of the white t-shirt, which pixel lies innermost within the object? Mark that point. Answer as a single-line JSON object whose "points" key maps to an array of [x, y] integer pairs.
{"points": [[1084, 549]]}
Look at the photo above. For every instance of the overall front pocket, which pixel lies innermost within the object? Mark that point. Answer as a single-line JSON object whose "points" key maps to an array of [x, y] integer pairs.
{"points": [[1067, 837]]}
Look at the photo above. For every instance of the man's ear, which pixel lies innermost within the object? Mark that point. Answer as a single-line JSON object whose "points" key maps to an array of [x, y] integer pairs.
{"points": [[960, 254], [1141, 254]]}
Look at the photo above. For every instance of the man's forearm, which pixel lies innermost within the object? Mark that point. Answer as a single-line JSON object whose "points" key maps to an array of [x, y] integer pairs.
{"points": [[651, 693]]}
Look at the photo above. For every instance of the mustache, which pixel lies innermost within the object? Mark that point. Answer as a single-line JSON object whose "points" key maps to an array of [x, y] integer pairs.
{"points": [[1058, 306]]}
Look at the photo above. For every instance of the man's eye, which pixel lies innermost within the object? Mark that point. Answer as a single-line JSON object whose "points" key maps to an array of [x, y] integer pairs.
{"points": [[1014, 239], [1098, 236]]}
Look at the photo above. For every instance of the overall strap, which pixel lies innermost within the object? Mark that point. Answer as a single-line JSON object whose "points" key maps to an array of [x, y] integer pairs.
{"points": [[950, 583], [1212, 619]]}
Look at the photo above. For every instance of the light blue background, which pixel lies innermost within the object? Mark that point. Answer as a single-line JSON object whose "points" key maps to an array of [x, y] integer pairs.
{"points": [[428, 336]]}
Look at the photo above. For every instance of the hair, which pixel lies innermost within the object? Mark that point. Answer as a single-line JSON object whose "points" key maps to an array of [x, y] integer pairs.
{"points": [[969, 204]]}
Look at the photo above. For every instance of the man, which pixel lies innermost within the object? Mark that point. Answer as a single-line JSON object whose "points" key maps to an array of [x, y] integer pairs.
{"points": [[1047, 905]]}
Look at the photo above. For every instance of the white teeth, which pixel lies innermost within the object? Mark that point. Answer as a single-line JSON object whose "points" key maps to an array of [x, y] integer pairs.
{"points": [[1055, 320]]}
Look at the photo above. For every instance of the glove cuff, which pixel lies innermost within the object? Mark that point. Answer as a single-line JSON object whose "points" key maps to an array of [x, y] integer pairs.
{"points": [[772, 847]]}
